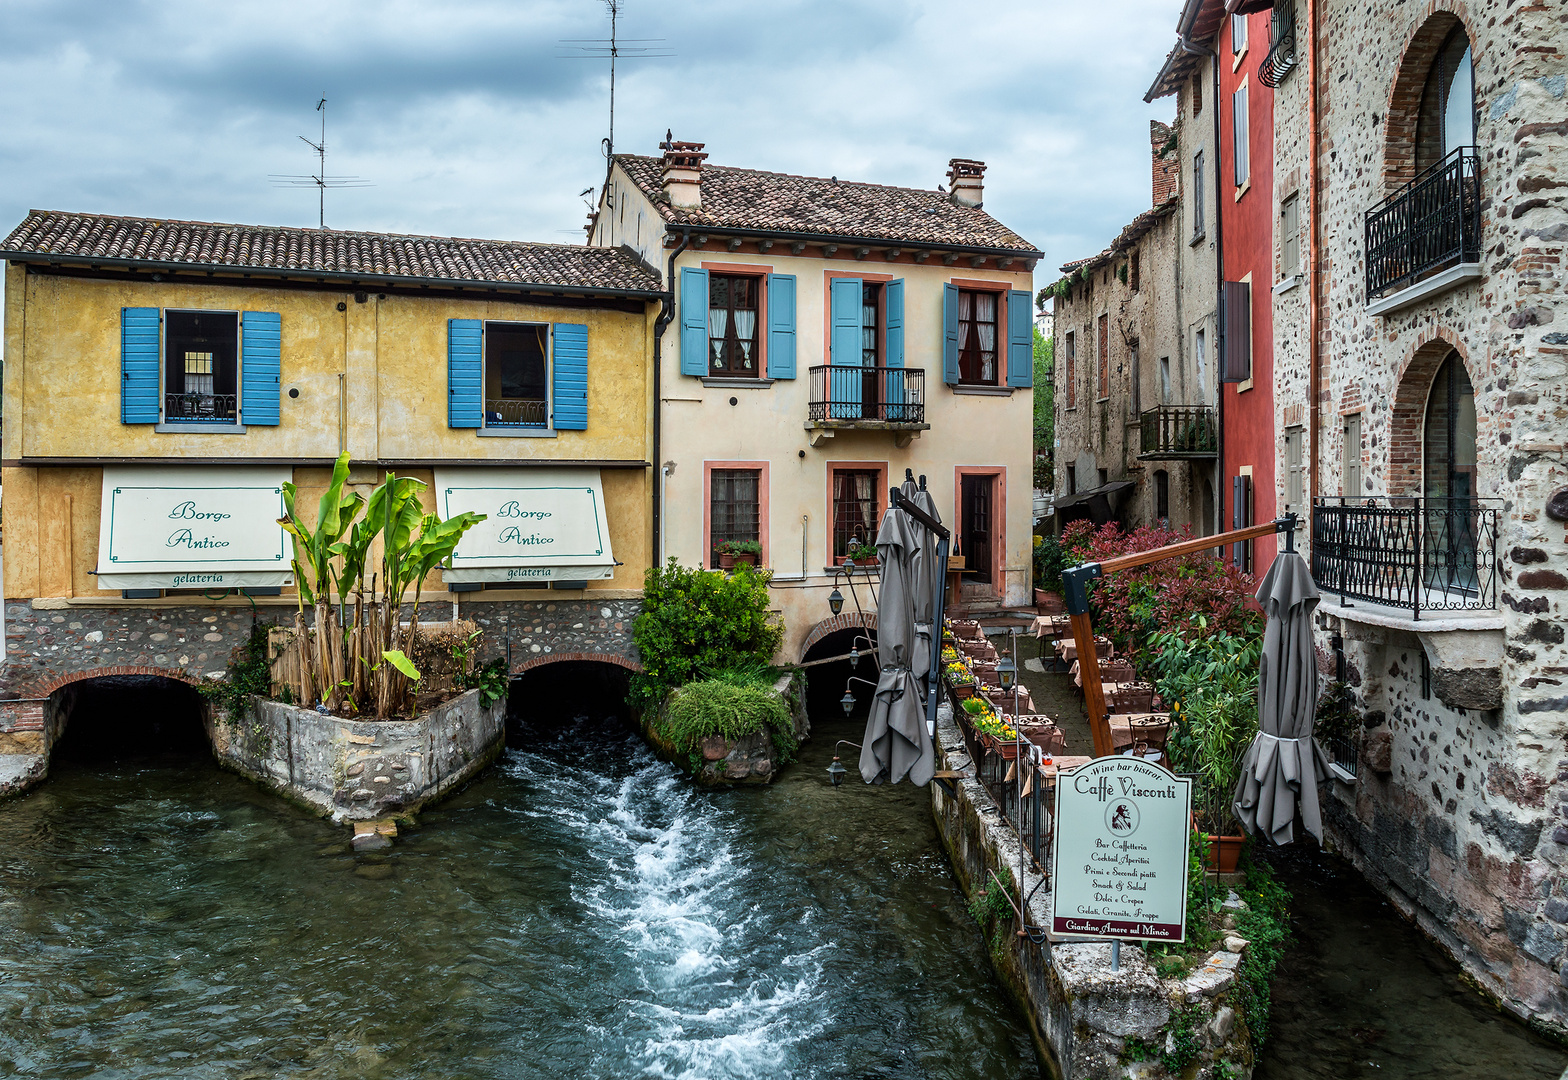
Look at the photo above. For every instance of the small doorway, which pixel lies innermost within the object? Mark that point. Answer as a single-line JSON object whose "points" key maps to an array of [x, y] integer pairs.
{"points": [[977, 497]]}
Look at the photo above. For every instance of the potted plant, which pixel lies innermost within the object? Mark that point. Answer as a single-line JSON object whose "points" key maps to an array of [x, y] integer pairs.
{"points": [[993, 731], [1216, 726], [739, 551], [1049, 559], [862, 553], [960, 680]]}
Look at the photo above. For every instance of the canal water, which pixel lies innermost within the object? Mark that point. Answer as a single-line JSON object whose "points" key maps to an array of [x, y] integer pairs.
{"points": [[579, 911], [583, 911]]}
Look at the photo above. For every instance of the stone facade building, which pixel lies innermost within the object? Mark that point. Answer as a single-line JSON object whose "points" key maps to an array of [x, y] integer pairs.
{"points": [[1420, 415], [1136, 439], [1442, 174]]}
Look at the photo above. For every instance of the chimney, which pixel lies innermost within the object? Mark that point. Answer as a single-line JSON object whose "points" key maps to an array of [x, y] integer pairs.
{"points": [[1166, 162], [966, 182], [682, 176]]}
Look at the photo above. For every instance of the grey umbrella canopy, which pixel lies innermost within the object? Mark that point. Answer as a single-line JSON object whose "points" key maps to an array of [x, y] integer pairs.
{"points": [[896, 745], [1284, 764], [924, 580]]}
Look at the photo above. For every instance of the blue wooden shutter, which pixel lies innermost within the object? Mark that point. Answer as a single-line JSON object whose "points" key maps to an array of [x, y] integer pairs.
{"points": [[845, 344], [893, 392], [950, 334], [465, 373], [694, 321], [139, 365], [781, 326], [1020, 340], [261, 367], [569, 377]]}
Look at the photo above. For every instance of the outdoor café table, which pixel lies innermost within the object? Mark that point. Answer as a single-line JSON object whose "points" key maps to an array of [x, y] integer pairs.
{"points": [[968, 628], [999, 697], [1050, 626], [1108, 673], [1123, 725], [1069, 649]]}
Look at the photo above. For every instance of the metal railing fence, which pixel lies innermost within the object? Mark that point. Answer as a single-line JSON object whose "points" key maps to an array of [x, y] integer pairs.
{"points": [[851, 392], [1430, 224]]}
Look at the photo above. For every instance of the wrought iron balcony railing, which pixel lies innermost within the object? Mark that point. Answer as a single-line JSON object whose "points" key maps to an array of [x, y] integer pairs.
{"points": [[219, 408], [1171, 432], [848, 392], [1411, 553], [1280, 61], [1431, 224], [516, 412]]}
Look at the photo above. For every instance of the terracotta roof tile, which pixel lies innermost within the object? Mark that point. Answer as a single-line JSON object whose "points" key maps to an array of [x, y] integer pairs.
{"points": [[277, 249], [779, 202]]}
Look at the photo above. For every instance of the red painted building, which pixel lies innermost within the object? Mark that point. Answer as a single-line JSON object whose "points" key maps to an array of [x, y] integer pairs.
{"points": [[1245, 189]]}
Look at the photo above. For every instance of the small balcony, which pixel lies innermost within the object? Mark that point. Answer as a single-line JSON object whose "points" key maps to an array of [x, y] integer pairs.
{"points": [[1411, 554], [516, 412], [1178, 433], [1426, 237], [850, 397], [200, 408]]}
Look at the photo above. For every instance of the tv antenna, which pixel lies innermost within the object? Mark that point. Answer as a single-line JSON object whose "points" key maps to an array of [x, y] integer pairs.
{"points": [[319, 180], [613, 49]]}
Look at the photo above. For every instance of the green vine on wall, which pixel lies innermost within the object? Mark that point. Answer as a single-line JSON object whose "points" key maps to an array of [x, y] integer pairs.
{"points": [[250, 673]]}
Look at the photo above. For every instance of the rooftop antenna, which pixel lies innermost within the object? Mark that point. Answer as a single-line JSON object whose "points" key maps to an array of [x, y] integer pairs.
{"points": [[319, 180], [613, 49]]}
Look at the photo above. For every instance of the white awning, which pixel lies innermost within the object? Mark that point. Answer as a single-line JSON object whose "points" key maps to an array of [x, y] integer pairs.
{"points": [[198, 527], [545, 524]]}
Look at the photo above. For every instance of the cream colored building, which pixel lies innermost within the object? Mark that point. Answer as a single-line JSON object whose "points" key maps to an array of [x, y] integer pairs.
{"points": [[827, 336]]}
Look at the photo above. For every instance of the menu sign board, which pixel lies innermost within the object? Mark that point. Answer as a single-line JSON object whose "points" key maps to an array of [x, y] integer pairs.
{"points": [[1120, 864]]}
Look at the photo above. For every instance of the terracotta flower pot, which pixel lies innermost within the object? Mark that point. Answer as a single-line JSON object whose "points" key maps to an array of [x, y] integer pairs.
{"points": [[726, 562], [744, 557], [962, 691], [1223, 852]]}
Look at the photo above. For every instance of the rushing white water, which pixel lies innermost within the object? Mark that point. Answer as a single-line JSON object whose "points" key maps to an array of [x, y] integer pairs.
{"points": [[703, 984]]}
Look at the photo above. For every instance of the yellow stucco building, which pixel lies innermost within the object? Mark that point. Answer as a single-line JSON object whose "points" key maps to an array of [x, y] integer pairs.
{"points": [[163, 379]]}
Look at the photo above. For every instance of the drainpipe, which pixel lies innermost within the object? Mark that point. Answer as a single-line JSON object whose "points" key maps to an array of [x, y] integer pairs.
{"points": [[661, 324], [1190, 46], [1314, 352]]}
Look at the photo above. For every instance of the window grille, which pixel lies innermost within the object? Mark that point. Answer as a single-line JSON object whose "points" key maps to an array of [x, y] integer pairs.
{"points": [[735, 509]]}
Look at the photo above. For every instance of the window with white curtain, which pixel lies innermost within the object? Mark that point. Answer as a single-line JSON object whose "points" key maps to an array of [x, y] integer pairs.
{"points": [[732, 324], [977, 314]]}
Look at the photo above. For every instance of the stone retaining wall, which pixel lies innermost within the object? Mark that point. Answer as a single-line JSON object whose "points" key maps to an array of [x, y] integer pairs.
{"points": [[1080, 1012], [358, 770]]}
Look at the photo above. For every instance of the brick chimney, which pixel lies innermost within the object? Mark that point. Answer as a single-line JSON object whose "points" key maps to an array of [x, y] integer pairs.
{"points": [[966, 181], [682, 176], [1167, 165]]}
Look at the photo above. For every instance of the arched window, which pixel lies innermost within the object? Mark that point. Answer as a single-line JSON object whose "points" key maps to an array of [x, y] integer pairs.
{"points": [[1450, 525], [1448, 443], [1447, 117]]}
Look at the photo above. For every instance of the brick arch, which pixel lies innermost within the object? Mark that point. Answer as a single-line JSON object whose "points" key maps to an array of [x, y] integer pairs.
{"points": [[1408, 415], [45, 687], [1404, 101], [563, 657], [846, 620]]}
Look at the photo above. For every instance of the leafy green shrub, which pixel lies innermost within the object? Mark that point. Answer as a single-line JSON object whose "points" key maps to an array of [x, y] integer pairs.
{"points": [[697, 621], [1209, 679], [1050, 559], [992, 908], [492, 681], [250, 672], [717, 707], [1184, 1041], [1266, 926]]}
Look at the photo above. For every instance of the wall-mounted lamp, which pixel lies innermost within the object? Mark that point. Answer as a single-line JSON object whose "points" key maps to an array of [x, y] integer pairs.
{"points": [[1007, 672], [836, 600]]}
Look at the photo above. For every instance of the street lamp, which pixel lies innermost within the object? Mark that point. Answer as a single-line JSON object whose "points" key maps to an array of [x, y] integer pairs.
{"points": [[847, 701], [836, 600], [836, 771], [1007, 672]]}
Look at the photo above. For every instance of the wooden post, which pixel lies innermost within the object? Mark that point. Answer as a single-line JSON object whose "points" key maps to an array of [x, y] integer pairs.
{"points": [[1093, 689]]}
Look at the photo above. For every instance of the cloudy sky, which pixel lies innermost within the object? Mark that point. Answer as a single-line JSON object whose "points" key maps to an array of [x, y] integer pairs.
{"points": [[472, 119]]}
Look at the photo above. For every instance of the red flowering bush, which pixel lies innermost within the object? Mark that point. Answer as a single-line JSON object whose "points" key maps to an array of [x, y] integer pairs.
{"points": [[1163, 596]]}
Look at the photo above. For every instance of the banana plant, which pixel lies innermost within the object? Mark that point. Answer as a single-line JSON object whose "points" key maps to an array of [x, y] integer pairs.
{"points": [[321, 667]]}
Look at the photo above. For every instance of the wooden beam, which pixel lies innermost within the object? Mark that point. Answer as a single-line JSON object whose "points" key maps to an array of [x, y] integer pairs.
{"points": [[1186, 547]]}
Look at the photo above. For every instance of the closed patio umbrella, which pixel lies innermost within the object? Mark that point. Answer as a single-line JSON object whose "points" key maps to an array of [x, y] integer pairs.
{"points": [[896, 745], [1284, 764], [924, 580]]}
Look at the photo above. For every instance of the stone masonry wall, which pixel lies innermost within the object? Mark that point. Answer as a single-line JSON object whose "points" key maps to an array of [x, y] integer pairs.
{"points": [[1493, 852], [547, 631]]}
